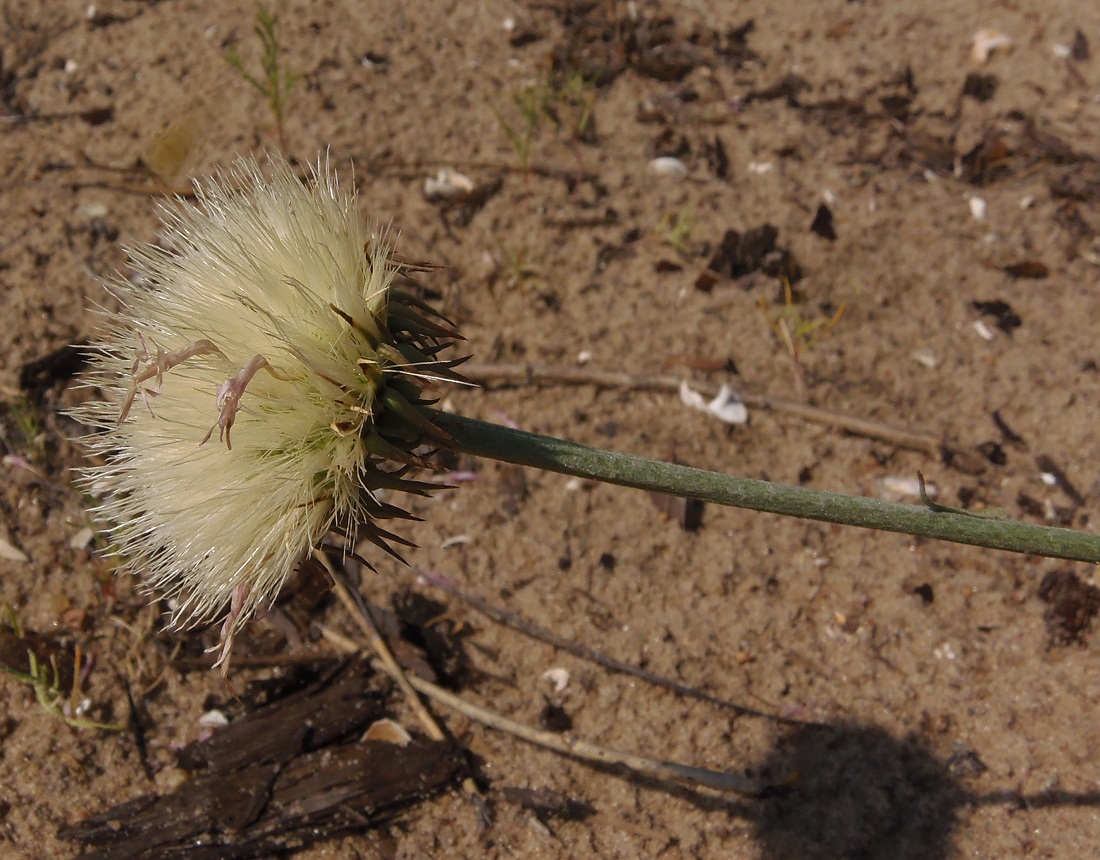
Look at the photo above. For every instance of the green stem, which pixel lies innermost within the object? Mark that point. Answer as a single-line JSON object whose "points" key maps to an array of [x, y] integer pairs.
{"points": [[557, 455]]}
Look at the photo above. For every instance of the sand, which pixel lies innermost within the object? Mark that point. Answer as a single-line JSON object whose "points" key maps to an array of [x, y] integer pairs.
{"points": [[955, 688]]}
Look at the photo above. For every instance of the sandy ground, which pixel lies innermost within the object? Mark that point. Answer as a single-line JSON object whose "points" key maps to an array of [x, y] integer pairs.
{"points": [[956, 689]]}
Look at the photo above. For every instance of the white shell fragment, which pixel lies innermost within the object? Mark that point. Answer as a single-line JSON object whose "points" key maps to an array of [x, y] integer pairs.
{"points": [[448, 184], [986, 42], [457, 540], [214, 720], [90, 211], [978, 207], [926, 357], [727, 406], [944, 652], [984, 332], [558, 676], [81, 539], [8, 550], [388, 731], [667, 167], [896, 488]]}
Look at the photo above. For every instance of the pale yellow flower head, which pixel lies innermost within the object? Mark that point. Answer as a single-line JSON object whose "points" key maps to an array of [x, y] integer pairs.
{"points": [[259, 381]]}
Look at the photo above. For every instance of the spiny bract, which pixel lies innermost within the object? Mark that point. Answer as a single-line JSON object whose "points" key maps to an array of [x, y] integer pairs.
{"points": [[261, 383]]}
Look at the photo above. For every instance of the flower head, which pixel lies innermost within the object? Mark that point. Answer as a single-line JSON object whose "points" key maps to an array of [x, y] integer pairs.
{"points": [[262, 383]]}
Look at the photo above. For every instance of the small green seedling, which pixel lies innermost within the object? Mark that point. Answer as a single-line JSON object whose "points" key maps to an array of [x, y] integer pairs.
{"points": [[802, 327], [276, 82], [797, 330], [24, 433], [569, 105], [520, 271], [676, 232], [45, 680], [531, 103], [576, 107]]}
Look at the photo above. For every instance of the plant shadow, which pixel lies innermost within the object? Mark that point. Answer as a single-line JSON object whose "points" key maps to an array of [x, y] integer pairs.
{"points": [[856, 792]]}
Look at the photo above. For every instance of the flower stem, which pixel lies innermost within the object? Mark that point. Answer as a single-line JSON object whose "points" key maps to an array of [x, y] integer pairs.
{"points": [[484, 439]]}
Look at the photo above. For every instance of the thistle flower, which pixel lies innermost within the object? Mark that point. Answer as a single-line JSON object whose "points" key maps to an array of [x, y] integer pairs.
{"points": [[262, 383]]}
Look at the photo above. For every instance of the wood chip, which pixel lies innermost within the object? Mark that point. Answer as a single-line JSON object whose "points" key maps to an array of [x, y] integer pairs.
{"points": [[278, 779]]}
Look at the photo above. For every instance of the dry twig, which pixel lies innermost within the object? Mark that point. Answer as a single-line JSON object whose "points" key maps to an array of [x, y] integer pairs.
{"points": [[359, 611], [575, 747], [541, 634], [363, 618], [915, 440]]}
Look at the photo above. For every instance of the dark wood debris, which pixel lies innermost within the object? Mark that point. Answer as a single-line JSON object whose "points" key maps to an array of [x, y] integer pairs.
{"points": [[277, 780], [339, 704], [716, 157], [823, 225], [757, 249], [554, 718], [980, 87], [1001, 312], [1071, 602], [993, 452], [601, 43], [424, 626]]}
